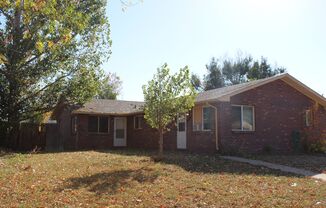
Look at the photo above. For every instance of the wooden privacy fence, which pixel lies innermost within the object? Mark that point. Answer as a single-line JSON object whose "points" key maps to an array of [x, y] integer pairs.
{"points": [[31, 136], [44, 136]]}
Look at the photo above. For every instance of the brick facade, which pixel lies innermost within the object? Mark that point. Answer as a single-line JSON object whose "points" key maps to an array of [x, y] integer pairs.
{"points": [[279, 110], [317, 131]]}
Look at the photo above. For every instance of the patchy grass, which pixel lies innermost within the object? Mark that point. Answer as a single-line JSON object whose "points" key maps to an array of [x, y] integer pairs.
{"points": [[309, 162], [132, 179]]}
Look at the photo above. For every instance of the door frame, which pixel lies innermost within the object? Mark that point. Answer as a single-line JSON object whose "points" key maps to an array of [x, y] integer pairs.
{"points": [[125, 132], [185, 132]]}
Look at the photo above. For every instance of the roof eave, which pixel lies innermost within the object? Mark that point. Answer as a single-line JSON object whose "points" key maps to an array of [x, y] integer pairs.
{"points": [[293, 82], [304, 89], [106, 114]]}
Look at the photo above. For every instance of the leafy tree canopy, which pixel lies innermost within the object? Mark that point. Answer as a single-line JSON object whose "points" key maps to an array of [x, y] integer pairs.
{"points": [[49, 49], [110, 87], [196, 82], [166, 96], [214, 78], [229, 71]]}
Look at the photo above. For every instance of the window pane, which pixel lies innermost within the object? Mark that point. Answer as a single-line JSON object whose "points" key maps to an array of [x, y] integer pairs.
{"points": [[181, 126], [140, 122], [74, 124], [236, 117], [92, 124], [309, 118], [104, 125], [208, 116], [248, 118], [197, 120], [136, 122], [120, 133]]}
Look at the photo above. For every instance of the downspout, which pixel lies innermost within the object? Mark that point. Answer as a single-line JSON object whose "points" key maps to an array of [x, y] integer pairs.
{"points": [[216, 125]]}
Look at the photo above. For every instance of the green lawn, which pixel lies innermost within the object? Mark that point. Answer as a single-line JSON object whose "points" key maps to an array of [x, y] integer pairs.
{"points": [[132, 179]]}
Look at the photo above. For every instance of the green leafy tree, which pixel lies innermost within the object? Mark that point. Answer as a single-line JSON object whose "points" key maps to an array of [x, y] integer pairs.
{"points": [[214, 78], [262, 69], [166, 96], [110, 87], [196, 82], [235, 71], [49, 50], [229, 71]]}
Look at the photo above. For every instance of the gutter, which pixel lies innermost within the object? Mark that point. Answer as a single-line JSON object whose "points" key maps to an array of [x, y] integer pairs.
{"points": [[216, 125]]}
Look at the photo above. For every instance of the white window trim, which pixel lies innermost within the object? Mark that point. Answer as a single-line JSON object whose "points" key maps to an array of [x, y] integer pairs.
{"points": [[253, 118], [202, 118], [193, 119], [74, 127], [308, 122], [139, 116]]}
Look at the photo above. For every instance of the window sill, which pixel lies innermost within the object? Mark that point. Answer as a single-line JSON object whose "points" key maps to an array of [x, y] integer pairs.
{"points": [[243, 131], [203, 131], [98, 133]]}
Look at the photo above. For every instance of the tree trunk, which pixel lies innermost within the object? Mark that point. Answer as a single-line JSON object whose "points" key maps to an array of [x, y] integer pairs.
{"points": [[160, 142]]}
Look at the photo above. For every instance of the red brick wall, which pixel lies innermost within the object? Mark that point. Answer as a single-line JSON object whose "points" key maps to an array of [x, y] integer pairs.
{"points": [[64, 123], [86, 140], [317, 131], [145, 138], [140, 138], [279, 110], [200, 141]]}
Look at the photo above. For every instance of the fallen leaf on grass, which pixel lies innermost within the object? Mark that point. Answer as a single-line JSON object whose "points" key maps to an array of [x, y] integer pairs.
{"points": [[27, 167], [294, 184]]}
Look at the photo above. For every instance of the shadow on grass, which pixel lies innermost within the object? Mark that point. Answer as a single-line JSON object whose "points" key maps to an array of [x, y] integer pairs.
{"points": [[204, 163], [115, 181], [111, 182]]}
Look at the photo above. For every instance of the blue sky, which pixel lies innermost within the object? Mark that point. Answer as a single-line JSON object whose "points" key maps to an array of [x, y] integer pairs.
{"points": [[291, 33]]}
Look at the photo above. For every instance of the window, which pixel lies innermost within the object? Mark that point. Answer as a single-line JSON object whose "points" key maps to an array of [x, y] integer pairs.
{"points": [[242, 118], [92, 124], [203, 118], [208, 118], [138, 122], [308, 117], [182, 123], [197, 118], [98, 124], [74, 124], [103, 124]]}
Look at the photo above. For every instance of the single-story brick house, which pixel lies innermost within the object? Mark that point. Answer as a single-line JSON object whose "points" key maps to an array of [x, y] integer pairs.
{"points": [[249, 117]]}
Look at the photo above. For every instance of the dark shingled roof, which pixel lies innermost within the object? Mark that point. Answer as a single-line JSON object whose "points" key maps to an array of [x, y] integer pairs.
{"points": [[223, 91], [119, 107], [110, 107]]}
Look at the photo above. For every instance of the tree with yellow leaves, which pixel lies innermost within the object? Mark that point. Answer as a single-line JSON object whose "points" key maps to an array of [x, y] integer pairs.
{"points": [[49, 49]]}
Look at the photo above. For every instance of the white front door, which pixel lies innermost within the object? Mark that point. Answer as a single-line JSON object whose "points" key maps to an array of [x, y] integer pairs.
{"points": [[182, 132], [120, 132]]}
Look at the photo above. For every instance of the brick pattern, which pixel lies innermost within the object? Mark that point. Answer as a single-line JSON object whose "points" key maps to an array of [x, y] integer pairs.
{"points": [[279, 110], [317, 131]]}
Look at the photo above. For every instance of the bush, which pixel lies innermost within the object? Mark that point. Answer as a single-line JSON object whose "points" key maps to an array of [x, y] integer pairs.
{"points": [[296, 141], [318, 146], [267, 149]]}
